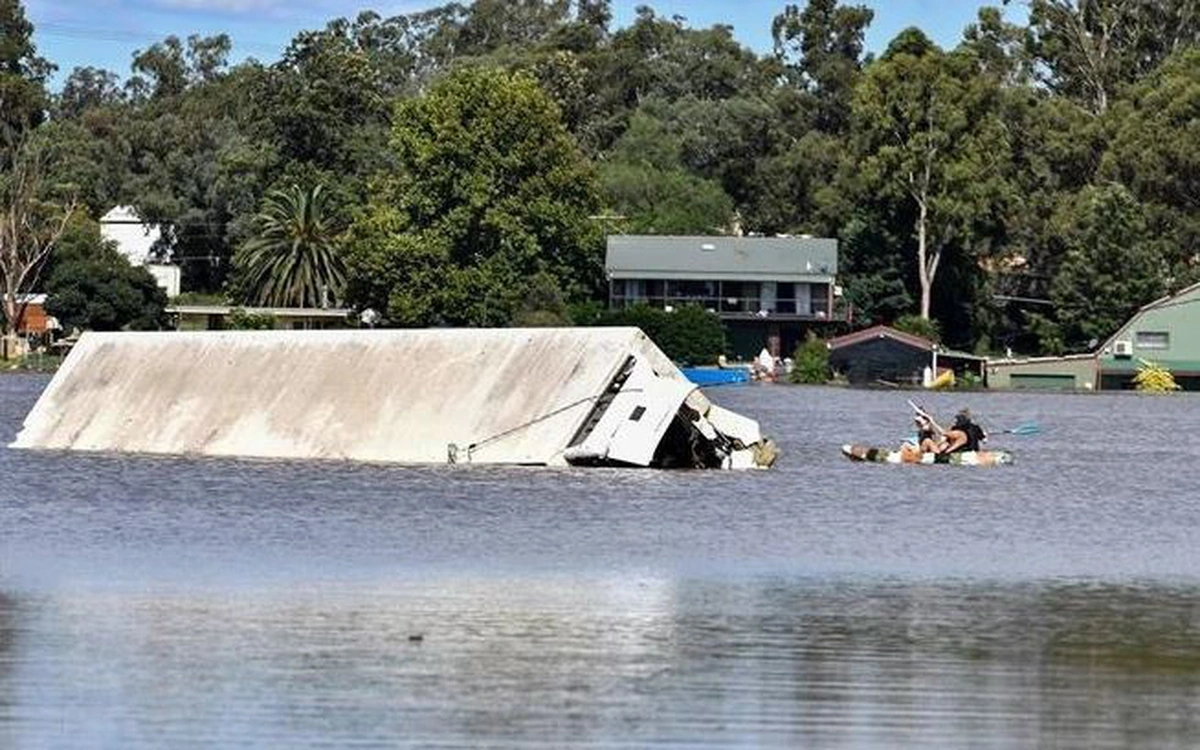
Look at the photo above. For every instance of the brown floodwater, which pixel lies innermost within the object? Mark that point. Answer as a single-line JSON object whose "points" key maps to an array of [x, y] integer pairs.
{"points": [[151, 602]]}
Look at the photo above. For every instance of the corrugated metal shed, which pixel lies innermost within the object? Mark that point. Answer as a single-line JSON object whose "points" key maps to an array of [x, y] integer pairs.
{"points": [[782, 259]]}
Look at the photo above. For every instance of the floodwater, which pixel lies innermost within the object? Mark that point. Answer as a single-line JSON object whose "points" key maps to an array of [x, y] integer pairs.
{"points": [[149, 602]]}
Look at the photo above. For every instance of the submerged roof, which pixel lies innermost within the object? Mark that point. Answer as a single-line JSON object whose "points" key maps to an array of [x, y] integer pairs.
{"points": [[786, 259], [518, 395], [908, 339]]}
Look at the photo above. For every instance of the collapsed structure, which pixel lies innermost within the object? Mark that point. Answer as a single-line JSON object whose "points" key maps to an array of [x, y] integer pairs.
{"points": [[555, 396]]}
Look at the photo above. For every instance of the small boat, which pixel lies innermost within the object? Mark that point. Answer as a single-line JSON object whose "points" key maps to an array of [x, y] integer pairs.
{"points": [[708, 377], [889, 456]]}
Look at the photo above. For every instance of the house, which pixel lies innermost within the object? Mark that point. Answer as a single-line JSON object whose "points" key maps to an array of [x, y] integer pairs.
{"points": [[884, 355], [1166, 331], [768, 291], [217, 317], [138, 242], [35, 321]]}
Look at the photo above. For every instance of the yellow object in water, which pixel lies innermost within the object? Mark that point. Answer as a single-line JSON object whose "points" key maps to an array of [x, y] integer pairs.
{"points": [[945, 380]]}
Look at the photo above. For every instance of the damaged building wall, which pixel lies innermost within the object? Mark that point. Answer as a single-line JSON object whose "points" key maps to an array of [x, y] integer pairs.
{"points": [[512, 396]]}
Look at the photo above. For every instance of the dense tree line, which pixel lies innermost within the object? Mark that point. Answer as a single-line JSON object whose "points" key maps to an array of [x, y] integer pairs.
{"points": [[1028, 187]]}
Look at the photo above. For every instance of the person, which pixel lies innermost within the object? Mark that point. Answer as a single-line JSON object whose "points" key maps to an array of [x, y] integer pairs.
{"points": [[965, 436], [927, 433], [926, 441]]}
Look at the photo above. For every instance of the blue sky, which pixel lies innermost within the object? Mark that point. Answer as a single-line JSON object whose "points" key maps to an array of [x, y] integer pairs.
{"points": [[105, 33]]}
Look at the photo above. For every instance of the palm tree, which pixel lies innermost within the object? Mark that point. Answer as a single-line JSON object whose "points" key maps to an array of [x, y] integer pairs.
{"points": [[294, 259]]}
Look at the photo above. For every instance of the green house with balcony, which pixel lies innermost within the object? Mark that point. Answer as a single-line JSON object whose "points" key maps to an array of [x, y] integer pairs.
{"points": [[1166, 331], [768, 291]]}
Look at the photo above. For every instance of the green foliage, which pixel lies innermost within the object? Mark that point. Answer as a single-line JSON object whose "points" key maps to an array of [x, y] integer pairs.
{"points": [[1111, 265], [689, 335], [199, 298], [492, 191], [646, 182], [918, 326], [811, 362], [930, 141], [91, 286], [22, 73], [466, 146], [242, 320], [294, 260], [544, 306]]}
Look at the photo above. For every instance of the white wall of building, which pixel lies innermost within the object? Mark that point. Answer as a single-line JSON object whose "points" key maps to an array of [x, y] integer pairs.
{"points": [[135, 240]]}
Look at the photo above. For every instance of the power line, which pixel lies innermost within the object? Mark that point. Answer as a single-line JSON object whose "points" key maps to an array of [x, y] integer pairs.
{"points": [[124, 36]]}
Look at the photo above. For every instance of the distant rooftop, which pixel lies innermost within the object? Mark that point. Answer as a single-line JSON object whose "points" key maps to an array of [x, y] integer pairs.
{"points": [[121, 215], [278, 312], [786, 259]]}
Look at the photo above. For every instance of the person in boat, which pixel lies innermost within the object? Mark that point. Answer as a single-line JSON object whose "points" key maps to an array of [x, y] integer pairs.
{"points": [[928, 438], [965, 436], [927, 433]]}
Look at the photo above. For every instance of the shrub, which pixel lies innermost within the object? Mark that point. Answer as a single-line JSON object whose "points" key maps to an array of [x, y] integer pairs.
{"points": [[241, 320], [1154, 378], [689, 335], [918, 326], [811, 362]]}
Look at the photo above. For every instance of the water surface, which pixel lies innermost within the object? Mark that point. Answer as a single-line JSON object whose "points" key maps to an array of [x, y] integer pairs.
{"points": [[151, 602]]}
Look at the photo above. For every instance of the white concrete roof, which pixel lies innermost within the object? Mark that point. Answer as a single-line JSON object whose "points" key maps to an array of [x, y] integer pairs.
{"points": [[519, 395]]}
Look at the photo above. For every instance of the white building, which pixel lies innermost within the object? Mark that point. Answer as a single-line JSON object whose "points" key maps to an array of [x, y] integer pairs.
{"points": [[135, 240]]}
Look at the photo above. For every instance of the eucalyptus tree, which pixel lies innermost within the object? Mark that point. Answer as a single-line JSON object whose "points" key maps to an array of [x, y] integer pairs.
{"points": [[294, 260], [23, 74], [822, 46], [1091, 49], [927, 133], [31, 223]]}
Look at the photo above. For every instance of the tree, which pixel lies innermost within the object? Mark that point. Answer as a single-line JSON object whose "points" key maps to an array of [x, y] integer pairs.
{"points": [[30, 226], [91, 286], [928, 130], [88, 88], [823, 46], [690, 334], [489, 190], [294, 260], [22, 73], [1153, 152], [1111, 266], [644, 181], [1092, 48]]}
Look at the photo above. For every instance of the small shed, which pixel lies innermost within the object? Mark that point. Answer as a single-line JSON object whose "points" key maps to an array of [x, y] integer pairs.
{"points": [[885, 356], [1074, 372]]}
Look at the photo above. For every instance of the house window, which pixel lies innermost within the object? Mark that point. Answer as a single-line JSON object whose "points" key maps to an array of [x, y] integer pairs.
{"points": [[1153, 340]]}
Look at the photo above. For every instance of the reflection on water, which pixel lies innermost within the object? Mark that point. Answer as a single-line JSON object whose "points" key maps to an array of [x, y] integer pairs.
{"points": [[553, 662], [150, 602]]}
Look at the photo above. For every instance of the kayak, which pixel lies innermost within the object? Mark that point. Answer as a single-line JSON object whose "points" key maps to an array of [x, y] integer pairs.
{"points": [[888, 456]]}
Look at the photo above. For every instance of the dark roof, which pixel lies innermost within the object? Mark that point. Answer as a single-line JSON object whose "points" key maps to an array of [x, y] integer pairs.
{"points": [[787, 259], [881, 332], [887, 332]]}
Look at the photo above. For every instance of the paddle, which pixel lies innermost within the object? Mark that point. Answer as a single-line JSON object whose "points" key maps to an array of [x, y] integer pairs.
{"points": [[1024, 430]]}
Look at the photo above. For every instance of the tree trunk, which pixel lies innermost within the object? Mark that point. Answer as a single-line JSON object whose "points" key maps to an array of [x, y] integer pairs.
{"points": [[923, 258]]}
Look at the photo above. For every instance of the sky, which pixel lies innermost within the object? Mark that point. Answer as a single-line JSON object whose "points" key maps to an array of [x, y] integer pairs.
{"points": [[105, 33]]}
